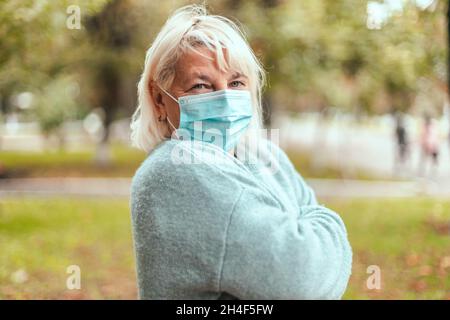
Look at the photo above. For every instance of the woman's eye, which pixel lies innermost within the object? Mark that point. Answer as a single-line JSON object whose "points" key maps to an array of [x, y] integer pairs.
{"points": [[200, 86], [236, 83]]}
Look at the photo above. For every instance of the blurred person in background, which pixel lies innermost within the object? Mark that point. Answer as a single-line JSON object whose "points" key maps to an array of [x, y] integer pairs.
{"points": [[429, 146], [229, 231], [401, 143]]}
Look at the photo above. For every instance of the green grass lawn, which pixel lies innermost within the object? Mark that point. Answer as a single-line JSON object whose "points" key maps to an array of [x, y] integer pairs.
{"points": [[61, 163], [39, 238], [42, 237], [125, 161], [408, 239]]}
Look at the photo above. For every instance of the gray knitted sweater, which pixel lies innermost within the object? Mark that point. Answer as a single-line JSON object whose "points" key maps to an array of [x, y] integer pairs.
{"points": [[233, 229]]}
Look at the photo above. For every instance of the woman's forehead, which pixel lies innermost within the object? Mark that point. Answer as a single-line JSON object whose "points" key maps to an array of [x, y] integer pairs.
{"points": [[202, 64]]}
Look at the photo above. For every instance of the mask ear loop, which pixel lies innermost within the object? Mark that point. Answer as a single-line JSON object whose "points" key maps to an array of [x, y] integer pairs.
{"points": [[167, 117]]}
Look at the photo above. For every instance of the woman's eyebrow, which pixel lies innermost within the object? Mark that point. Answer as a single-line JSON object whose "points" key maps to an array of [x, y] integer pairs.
{"points": [[201, 76], [237, 75]]}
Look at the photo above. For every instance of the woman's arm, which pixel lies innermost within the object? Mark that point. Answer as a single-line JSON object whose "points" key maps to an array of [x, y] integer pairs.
{"points": [[274, 254], [271, 254]]}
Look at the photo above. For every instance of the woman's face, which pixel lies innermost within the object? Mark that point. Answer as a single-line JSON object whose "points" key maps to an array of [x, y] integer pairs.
{"points": [[195, 74]]}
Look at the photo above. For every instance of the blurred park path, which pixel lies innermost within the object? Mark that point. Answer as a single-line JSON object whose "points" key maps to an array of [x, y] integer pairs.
{"points": [[108, 187], [120, 187]]}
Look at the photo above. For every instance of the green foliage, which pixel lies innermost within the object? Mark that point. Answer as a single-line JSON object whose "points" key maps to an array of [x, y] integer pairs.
{"points": [[324, 49], [318, 53], [56, 103], [39, 54]]}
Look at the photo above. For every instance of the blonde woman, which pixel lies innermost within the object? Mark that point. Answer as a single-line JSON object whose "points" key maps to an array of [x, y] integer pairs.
{"points": [[228, 229]]}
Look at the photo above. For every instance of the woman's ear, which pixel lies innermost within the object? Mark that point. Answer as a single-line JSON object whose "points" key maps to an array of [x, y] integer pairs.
{"points": [[156, 96]]}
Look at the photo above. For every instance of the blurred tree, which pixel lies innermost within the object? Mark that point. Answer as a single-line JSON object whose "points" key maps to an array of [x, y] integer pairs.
{"points": [[448, 47], [56, 103], [323, 53], [36, 52], [318, 53], [110, 32]]}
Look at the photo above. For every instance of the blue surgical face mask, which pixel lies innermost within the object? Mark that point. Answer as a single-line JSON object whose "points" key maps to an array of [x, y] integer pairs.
{"points": [[218, 117]]}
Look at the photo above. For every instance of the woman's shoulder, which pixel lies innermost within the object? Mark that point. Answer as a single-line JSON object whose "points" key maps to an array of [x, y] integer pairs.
{"points": [[270, 153], [180, 162], [158, 164], [165, 183]]}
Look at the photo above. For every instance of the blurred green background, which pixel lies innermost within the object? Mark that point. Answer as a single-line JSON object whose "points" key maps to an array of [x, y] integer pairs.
{"points": [[339, 72]]}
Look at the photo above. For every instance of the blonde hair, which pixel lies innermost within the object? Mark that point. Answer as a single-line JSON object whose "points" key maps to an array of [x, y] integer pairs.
{"points": [[187, 28]]}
